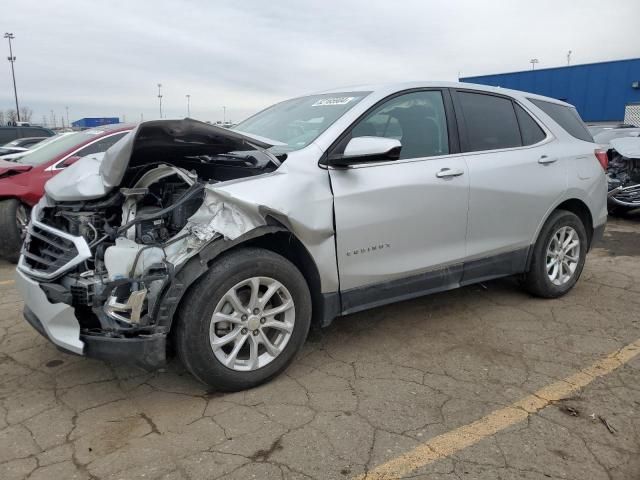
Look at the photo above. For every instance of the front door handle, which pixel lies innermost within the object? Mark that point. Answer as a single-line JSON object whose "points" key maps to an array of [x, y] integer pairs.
{"points": [[449, 172], [544, 160]]}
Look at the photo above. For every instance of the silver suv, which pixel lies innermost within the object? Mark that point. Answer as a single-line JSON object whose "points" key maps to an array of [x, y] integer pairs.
{"points": [[229, 244]]}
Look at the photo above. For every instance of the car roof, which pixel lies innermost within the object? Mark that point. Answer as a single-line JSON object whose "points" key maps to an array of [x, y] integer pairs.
{"points": [[390, 88], [110, 127], [27, 126]]}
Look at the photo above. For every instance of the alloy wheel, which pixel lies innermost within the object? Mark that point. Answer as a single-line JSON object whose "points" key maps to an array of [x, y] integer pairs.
{"points": [[252, 324], [563, 255]]}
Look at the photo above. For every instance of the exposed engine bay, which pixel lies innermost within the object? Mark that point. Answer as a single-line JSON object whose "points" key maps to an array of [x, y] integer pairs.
{"points": [[623, 172], [111, 258]]}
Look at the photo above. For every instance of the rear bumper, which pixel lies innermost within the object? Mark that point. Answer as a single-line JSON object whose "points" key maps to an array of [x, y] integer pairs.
{"points": [[57, 323]]}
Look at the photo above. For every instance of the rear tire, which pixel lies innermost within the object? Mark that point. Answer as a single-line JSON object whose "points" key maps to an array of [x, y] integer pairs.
{"points": [[225, 291], [12, 234], [553, 271]]}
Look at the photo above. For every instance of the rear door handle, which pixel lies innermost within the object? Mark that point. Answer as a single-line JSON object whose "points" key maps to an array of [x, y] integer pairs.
{"points": [[544, 160], [449, 172]]}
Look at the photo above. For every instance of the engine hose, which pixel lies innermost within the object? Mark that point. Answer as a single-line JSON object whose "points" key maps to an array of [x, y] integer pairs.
{"points": [[162, 246], [192, 191]]}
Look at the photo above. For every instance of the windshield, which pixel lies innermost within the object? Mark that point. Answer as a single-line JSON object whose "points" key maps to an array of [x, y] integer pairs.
{"points": [[56, 146], [47, 141], [299, 121], [13, 143]]}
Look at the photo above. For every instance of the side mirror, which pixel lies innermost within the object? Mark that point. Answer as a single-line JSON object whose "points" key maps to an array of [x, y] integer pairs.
{"points": [[70, 161], [368, 149]]}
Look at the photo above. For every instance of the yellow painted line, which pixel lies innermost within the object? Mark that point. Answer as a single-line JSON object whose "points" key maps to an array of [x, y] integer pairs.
{"points": [[7, 282], [451, 442]]}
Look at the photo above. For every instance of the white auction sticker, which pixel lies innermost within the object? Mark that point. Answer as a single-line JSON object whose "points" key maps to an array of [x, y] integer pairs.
{"points": [[324, 102]]}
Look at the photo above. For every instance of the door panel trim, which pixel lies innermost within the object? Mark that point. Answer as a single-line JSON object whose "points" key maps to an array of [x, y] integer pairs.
{"points": [[439, 280], [495, 266], [363, 298]]}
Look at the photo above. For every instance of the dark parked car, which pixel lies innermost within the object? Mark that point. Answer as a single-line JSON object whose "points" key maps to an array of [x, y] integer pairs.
{"points": [[8, 134], [19, 145]]}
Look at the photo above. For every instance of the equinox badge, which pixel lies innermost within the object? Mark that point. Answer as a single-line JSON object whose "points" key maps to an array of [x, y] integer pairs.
{"points": [[372, 248]]}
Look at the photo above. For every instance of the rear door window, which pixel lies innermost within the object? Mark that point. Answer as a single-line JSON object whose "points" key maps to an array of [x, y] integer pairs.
{"points": [[529, 128], [101, 145], [567, 117], [490, 122], [34, 132], [7, 135]]}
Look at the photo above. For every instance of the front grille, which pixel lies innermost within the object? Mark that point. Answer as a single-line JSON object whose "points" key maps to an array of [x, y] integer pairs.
{"points": [[47, 252]]}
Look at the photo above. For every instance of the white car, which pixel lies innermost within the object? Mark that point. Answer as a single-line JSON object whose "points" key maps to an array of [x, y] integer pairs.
{"points": [[34, 148]]}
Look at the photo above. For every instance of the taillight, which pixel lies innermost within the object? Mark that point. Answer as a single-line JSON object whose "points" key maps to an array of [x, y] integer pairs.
{"points": [[602, 157]]}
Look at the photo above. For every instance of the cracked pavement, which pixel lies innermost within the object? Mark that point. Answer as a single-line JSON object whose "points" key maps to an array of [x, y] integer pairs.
{"points": [[369, 388]]}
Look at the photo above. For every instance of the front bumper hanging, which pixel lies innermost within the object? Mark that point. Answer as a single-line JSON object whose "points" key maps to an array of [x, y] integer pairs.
{"points": [[57, 323]]}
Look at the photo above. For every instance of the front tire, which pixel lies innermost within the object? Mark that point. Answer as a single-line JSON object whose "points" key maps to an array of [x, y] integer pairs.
{"points": [[558, 256], [14, 217], [244, 321]]}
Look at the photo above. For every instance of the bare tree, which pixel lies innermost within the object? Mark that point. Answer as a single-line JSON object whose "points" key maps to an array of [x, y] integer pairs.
{"points": [[12, 116], [1, 118], [25, 114]]}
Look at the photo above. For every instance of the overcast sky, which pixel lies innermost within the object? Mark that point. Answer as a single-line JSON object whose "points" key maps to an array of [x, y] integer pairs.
{"points": [[105, 58]]}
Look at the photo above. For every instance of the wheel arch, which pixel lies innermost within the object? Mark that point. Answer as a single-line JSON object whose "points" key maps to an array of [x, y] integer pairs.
{"points": [[575, 206], [581, 210], [275, 238]]}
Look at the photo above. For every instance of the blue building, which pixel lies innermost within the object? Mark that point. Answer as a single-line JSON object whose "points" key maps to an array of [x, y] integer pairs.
{"points": [[600, 91], [90, 122]]}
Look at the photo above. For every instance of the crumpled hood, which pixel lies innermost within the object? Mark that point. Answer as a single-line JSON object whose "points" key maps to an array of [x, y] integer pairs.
{"points": [[12, 168], [161, 141], [627, 146], [78, 181]]}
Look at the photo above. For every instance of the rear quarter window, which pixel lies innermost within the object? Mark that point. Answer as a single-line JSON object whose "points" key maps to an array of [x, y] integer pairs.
{"points": [[529, 128], [567, 117]]}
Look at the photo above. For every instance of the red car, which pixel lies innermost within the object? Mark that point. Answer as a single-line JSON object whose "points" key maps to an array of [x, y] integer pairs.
{"points": [[22, 180]]}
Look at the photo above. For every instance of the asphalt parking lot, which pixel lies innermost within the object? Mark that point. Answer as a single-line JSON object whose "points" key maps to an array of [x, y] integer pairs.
{"points": [[485, 382]]}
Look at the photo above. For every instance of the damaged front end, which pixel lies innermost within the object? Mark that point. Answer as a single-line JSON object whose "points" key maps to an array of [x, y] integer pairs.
{"points": [[623, 173], [100, 266]]}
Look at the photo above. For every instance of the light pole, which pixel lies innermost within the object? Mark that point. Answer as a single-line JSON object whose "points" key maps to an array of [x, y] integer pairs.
{"points": [[11, 58], [188, 105], [224, 115], [533, 62], [569, 57], [68, 124], [160, 98], [53, 119]]}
